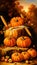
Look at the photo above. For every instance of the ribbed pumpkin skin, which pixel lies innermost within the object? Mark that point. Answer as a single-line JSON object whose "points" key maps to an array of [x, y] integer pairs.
{"points": [[9, 42], [32, 52], [16, 57], [16, 21], [23, 41], [25, 55]]}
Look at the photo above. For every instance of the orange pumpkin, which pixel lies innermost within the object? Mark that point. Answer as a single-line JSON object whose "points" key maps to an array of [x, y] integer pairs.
{"points": [[16, 21], [23, 41], [32, 52], [9, 41], [25, 55], [16, 57]]}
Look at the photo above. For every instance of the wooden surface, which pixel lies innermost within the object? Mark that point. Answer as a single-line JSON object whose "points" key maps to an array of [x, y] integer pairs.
{"points": [[3, 50], [13, 48], [19, 63]]}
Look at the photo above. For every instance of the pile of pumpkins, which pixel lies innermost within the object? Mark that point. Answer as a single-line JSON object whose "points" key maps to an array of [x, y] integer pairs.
{"points": [[13, 38], [17, 57]]}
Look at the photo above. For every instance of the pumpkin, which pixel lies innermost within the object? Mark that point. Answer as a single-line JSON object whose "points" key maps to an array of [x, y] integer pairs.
{"points": [[16, 57], [25, 55], [16, 31], [9, 41], [12, 33], [16, 21], [32, 52], [23, 41]]}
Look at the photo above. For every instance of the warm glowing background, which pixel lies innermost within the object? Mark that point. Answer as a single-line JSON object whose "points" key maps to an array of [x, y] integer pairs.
{"points": [[26, 3]]}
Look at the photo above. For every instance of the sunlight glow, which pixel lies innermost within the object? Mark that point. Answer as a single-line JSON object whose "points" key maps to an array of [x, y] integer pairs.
{"points": [[26, 9]]}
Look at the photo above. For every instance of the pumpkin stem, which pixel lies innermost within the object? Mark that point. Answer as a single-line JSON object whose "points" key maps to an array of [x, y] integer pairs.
{"points": [[17, 20], [17, 54], [23, 38]]}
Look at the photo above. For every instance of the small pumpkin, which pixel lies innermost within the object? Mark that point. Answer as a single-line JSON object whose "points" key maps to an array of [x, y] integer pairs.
{"points": [[23, 41], [16, 57], [12, 32], [25, 55], [32, 52], [9, 41], [16, 21]]}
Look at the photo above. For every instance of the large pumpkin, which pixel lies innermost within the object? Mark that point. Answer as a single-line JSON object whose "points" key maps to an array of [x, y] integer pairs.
{"points": [[9, 41], [23, 41], [16, 57], [25, 55], [32, 52], [16, 21]]}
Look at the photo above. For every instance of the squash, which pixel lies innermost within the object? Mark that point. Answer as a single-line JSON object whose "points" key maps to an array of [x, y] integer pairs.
{"points": [[16, 57], [32, 52], [16, 21], [25, 55], [9, 41], [23, 41]]}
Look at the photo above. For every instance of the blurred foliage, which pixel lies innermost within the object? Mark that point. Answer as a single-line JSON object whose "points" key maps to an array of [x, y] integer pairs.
{"points": [[12, 8], [7, 7], [32, 15]]}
